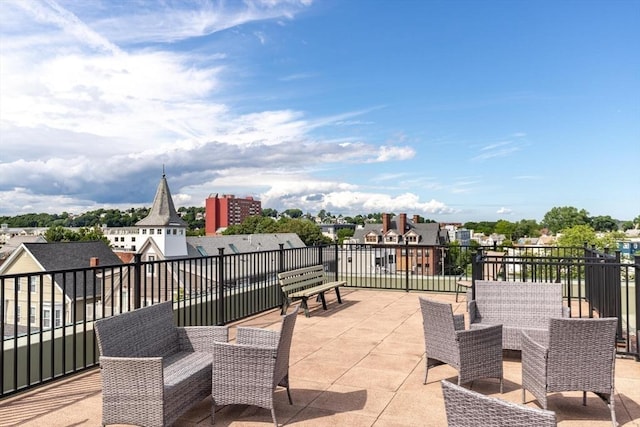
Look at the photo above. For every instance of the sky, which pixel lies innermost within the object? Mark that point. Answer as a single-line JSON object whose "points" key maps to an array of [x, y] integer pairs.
{"points": [[453, 110]]}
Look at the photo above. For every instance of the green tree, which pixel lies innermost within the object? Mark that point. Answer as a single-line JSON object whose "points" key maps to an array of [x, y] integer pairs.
{"points": [[578, 236], [526, 228], [308, 231], [293, 213], [344, 233], [508, 229], [272, 213], [604, 223], [560, 218]]}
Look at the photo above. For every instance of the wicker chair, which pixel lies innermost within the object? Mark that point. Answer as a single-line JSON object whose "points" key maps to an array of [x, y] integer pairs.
{"points": [[467, 408], [576, 355], [152, 370], [249, 371], [474, 353]]}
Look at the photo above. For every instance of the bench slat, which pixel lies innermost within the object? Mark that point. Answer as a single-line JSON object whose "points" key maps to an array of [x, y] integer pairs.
{"points": [[305, 282]]}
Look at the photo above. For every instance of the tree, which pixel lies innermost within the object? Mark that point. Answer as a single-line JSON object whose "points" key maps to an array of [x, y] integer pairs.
{"points": [[344, 233], [604, 223], [308, 231], [578, 236], [508, 229], [293, 213], [560, 218], [526, 228], [272, 213]]}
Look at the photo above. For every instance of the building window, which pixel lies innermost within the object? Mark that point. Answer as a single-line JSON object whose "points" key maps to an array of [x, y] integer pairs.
{"points": [[58, 317], [372, 239], [144, 231], [349, 259], [46, 318], [159, 231], [175, 231], [133, 239], [32, 315], [151, 231], [33, 283], [150, 266]]}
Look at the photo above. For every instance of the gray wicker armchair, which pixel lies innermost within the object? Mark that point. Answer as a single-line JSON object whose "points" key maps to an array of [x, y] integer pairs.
{"points": [[152, 370], [576, 355], [249, 371], [474, 353], [467, 408]]}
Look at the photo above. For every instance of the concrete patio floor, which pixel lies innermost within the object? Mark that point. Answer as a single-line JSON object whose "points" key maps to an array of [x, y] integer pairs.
{"points": [[357, 364]]}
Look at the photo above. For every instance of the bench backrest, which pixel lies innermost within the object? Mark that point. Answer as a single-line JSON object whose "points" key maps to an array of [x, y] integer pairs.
{"points": [[145, 332], [301, 278], [518, 303]]}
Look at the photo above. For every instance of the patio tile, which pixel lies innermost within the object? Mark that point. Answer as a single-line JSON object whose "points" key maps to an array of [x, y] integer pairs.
{"points": [[357, 364]]}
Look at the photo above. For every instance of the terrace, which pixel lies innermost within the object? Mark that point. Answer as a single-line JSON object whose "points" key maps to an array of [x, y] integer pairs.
{"points": [[357, 364]]}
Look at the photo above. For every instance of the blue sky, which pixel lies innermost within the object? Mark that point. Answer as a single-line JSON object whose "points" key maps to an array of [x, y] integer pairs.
{"points": [[454, 110]]}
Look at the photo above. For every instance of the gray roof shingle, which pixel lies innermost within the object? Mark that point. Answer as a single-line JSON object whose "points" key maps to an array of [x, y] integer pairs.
{"points": [[163, 212]]}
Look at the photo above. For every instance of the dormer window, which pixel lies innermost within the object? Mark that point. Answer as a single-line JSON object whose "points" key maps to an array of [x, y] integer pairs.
{"points": [[371, 238]]}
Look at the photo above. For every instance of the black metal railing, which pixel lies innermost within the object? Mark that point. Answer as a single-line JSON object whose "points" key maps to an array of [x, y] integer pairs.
{"points": [[48, 317]]}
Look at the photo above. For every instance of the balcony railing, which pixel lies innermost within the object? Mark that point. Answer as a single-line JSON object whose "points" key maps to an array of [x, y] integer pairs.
{"points": [[47, 317]]}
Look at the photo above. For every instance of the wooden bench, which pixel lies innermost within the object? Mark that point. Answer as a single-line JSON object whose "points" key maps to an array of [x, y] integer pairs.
{"points": [[302, 283]]}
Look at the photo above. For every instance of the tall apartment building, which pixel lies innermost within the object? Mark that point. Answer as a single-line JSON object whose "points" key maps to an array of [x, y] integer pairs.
{"points": [[228, 210]]}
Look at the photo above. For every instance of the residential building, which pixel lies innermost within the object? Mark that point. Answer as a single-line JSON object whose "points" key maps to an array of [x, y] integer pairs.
{"points": [[64, 298], [221, 212], [414, 235]]}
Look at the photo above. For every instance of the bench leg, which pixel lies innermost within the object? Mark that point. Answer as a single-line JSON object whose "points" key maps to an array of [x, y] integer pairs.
{"points": [[338, 295], [305, 307], [285, 305], [324, 301]]}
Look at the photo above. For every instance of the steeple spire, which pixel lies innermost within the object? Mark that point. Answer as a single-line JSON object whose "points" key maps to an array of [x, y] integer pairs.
{"points": [[163, 212]]}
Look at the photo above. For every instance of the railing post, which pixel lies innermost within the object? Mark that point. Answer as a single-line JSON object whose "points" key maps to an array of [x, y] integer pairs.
{"points": [[637, 274], [476, 271], [137, 280], [220, 310], [336, 258], [406, 270], [281, 258]]}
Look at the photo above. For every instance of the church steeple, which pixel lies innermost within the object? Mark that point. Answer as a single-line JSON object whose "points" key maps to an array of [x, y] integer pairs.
{"points": [[163, 212], [164, 225]]}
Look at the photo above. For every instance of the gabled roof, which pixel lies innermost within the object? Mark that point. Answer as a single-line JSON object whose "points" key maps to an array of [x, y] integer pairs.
{"points": [[68, 255], [429, 232], [200, 246], [163, 212], [71, 255]]}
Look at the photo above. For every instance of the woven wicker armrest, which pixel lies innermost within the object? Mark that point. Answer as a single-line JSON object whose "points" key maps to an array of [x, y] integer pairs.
{"points": [[458, 322], [200, 338], [480, 342], [536, 340], [131, 376], [257, 337]]}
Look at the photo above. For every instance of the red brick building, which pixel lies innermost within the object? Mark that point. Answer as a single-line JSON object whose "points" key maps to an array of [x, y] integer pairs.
{"points": [[227, 210]]}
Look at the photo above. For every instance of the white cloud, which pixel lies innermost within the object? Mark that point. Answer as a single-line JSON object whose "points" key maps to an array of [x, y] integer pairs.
{"points": [[504, 211]]}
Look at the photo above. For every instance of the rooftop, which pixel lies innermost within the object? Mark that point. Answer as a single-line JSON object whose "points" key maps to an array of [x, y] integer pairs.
{"points": [[357, 364]]}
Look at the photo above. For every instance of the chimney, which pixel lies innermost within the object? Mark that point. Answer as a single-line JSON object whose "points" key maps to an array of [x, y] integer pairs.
{"points": [[386, 222], [402, 226], [94, 261], [416, 219]]}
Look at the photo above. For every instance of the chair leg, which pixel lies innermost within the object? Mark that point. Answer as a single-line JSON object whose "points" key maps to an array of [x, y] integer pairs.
{"points": [[501, 382], [457, 290], [584, 398], [338, 296], [426, 372], [273, 415], [289, 396]]}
